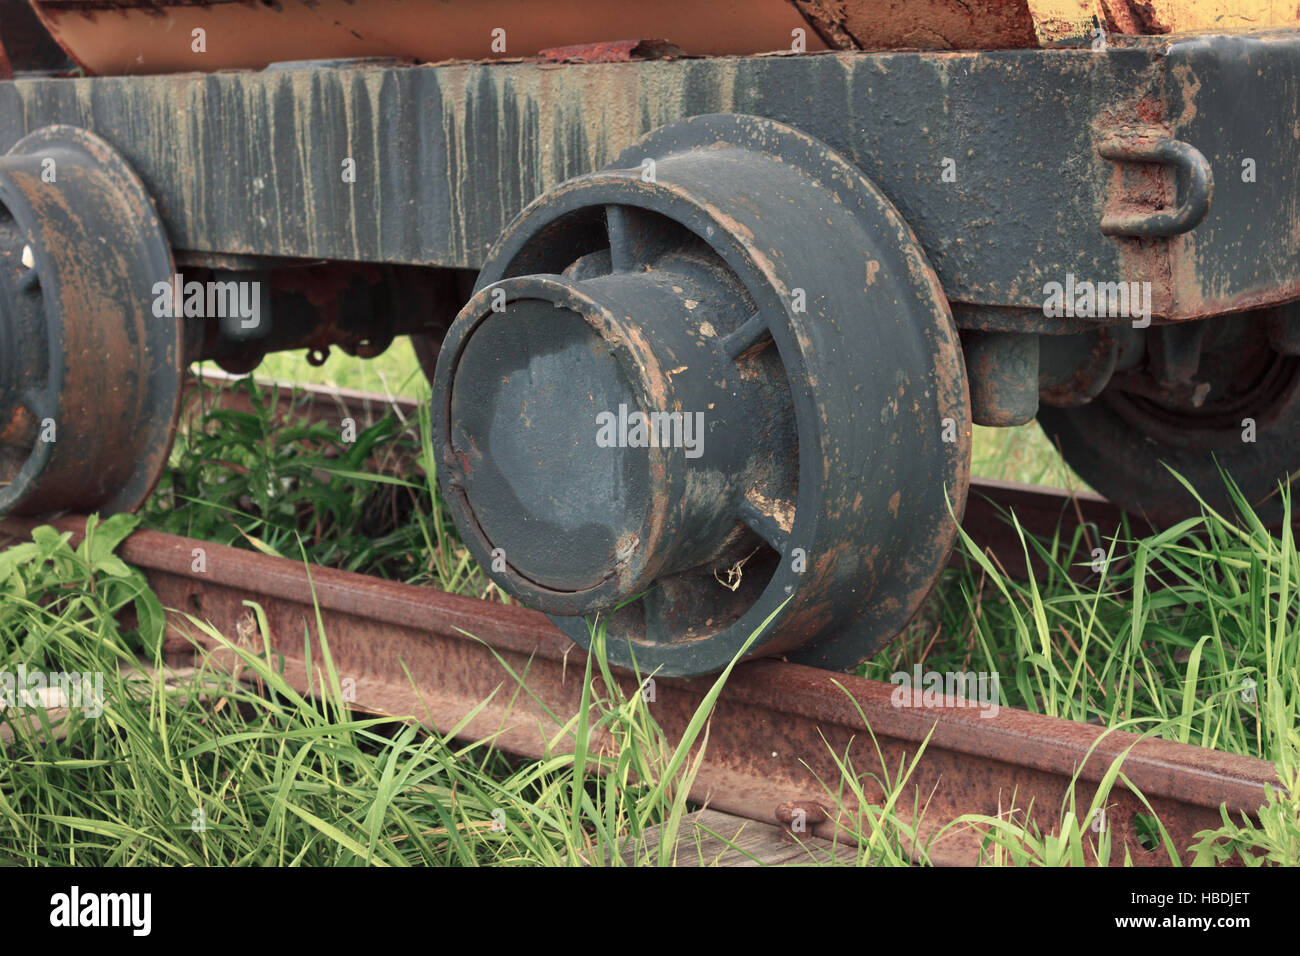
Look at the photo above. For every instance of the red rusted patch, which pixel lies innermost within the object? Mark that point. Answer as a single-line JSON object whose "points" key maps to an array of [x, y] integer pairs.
{"points": [[20, 429], [798, 817], [921, 24], [612, 51], [1133, 17], [1150, 109]]}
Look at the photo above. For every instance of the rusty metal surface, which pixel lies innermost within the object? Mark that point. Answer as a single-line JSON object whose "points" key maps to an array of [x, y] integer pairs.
{"points": [[91, 388], [1004, 378], [777, 728], [1154, 146], [993, 24], [612, 51], [922, 24], [446, 155], [156, 36]]}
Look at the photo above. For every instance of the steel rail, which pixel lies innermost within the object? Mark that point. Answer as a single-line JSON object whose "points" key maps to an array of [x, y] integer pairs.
{"points": [[776, 737]]}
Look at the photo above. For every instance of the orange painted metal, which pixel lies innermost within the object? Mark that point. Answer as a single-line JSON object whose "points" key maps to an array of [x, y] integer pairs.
{"points": [[131, 36], [168, 36]]}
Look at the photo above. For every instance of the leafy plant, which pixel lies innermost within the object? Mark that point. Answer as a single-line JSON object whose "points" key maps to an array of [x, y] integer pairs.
{"points": [[267, 479]]}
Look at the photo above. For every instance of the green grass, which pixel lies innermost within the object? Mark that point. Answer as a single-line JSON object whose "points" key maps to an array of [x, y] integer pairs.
{"points": [[1192, 630], [365, 502], [395, 372], [215, 771], [1189, 635]]}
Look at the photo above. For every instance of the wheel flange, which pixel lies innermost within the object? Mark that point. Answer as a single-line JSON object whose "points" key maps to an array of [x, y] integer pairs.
{"points": [[740, 275], [89, 376]]}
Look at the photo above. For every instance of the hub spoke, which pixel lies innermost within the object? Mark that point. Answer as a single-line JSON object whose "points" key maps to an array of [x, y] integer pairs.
{"points": [[750, 333], [621, 255], [672, 609], [637, 237], [656, 605], [767, 521]]}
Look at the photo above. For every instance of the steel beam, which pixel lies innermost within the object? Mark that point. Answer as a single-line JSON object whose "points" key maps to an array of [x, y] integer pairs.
{"points": [[256, 163]]}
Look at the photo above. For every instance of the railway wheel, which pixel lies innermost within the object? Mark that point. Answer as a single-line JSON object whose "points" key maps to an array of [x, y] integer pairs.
{"points": [[711, 390], [1236, 410], [90, 378]]}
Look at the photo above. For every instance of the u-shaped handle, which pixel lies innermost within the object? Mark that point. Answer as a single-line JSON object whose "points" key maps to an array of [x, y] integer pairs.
{"points": [[1159, 148]]}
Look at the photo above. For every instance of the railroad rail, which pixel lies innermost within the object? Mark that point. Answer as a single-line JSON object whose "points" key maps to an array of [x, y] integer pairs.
{"points": [[778, 732], [775, 736]]}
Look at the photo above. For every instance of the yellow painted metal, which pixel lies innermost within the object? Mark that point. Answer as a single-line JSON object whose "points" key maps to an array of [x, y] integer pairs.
{"points": [[1065, 20]]}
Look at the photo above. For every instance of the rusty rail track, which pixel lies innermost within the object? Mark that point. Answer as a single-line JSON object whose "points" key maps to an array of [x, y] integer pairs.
{"points": [[776, 736], [779, 731]]}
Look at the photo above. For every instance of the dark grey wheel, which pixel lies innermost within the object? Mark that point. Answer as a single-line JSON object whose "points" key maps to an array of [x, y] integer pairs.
{"points": [[738, 274], [1239, 415]]}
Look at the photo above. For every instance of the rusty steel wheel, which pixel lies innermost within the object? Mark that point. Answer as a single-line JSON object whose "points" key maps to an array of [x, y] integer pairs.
{"points": [[90, 379], [741, 276], [1124, 442]]}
